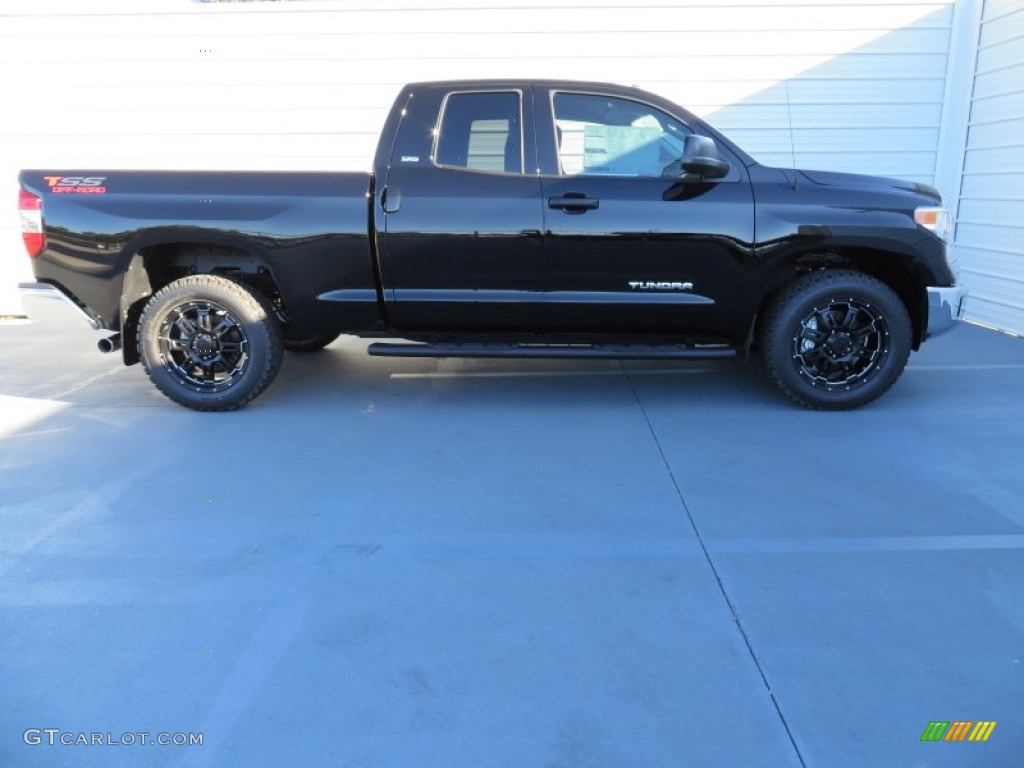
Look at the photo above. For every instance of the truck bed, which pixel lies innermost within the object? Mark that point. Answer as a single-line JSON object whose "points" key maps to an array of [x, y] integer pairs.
{"points": [[310, 228]]}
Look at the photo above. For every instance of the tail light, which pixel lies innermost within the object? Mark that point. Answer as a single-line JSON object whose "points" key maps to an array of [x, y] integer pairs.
{"points": [[30, 211]]}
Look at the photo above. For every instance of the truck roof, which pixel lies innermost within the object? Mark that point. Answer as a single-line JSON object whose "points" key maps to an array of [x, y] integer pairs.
{"points": [[520, 83]]}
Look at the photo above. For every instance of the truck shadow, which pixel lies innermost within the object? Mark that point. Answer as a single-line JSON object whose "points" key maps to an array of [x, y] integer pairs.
{"points": [[345, 374]]}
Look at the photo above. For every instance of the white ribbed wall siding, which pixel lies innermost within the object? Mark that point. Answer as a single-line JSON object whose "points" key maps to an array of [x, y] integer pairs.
{"points": [[306, 85], [990, 226]]}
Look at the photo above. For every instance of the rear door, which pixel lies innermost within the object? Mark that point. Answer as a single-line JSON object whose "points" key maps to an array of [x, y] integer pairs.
{"points": [[632, 243], [461, 243]]}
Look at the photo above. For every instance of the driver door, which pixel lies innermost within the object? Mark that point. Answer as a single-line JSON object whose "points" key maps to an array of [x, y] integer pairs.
{"points": [[632, 244]]}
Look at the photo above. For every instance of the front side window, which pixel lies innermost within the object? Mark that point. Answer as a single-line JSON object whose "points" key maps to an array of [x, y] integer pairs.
{"points": [[481, 132], [608, 136]]}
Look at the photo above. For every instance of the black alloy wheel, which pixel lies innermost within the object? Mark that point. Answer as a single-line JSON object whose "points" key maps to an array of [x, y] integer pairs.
{"points": [[205, 345], [210, 343], [835, 339], [839, 343]]}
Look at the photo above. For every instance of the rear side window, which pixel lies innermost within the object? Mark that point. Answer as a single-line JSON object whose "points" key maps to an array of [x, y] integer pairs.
{"points": [[481, 132]]}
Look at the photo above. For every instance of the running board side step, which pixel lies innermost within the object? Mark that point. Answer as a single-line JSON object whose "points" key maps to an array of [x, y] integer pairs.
{"points": [[599, 351]]}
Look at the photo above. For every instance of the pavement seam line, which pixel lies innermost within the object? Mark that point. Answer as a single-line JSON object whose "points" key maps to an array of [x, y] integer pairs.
{"points": [[714, 571]]}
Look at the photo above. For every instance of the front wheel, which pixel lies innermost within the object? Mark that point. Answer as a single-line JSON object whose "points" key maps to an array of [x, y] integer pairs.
{"points": [[835, 340], [210, 343]]}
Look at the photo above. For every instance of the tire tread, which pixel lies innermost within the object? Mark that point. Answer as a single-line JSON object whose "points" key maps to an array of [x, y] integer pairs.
{"points": [[240, 292], [783, 303]]}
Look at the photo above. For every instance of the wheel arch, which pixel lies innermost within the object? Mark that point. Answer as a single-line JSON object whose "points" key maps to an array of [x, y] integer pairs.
{"points": [[906, 278], [156, 264]]}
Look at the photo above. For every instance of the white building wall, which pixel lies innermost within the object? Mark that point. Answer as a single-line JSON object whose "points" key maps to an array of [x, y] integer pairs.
{"points": [[990, 220], [854, 85]]}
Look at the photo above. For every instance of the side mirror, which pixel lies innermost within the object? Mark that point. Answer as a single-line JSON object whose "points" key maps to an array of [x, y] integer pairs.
{"points": [[700, 156]]}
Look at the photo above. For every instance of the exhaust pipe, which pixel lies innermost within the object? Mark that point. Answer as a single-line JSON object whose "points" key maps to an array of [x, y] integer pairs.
{"points": [[110, 344]]}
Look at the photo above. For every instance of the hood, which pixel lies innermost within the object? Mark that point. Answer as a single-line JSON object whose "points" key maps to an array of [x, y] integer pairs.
{"points": [[856, 180]]}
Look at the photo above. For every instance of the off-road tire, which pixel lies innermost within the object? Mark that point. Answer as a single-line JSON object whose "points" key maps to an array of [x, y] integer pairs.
{"points": [[210, 343], [835, 339]]}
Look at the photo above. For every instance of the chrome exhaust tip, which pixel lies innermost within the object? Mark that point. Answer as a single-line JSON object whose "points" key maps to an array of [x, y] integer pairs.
{"points": [[109, 344]]}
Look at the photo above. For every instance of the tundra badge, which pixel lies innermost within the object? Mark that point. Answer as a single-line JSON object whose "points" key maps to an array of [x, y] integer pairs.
{"points": [[638, 285]]}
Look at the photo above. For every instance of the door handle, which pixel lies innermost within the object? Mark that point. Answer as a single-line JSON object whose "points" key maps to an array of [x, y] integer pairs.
{"points": [[574, 202]]}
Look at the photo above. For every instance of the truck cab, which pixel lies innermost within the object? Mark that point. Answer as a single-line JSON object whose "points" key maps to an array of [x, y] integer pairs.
{"points": [[561, 208]]}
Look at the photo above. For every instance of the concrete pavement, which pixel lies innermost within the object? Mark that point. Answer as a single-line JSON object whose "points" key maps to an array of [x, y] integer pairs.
{"points": [[406, 563]]}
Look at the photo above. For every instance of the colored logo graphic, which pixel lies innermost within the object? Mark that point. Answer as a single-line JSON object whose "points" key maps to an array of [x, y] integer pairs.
{"points": [[958, 730], [77, 184]]}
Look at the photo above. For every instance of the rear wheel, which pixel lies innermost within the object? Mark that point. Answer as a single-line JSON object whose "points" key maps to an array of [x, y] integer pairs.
{"points": [[836, 340], [210, 343]]}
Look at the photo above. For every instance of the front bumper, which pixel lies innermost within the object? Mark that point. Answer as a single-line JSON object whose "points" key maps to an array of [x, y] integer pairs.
{"points": [[48, 305], [945, 308]]}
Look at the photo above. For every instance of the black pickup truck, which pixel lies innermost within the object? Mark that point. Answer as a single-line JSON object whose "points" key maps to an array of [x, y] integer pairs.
{"points": [[503, 219]]}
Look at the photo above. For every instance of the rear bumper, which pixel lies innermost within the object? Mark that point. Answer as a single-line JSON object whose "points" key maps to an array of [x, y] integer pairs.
{"points": [[945, 308], [47, 305]]}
